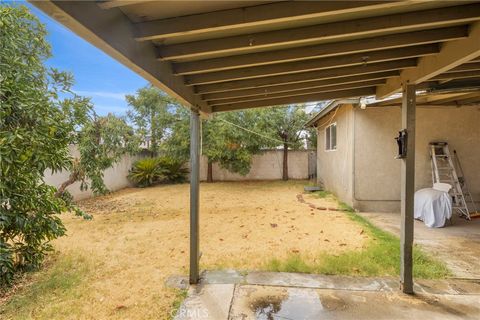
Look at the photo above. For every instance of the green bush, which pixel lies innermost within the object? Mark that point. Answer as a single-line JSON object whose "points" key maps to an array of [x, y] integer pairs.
{"points": [[146, 172], [174, 170], [149, 171]]}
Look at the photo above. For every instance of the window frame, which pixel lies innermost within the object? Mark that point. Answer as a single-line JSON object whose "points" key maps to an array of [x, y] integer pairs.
{"points": [[329, 139]]}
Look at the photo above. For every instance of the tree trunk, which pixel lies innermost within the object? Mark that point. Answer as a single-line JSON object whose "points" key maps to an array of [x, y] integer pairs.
{"points": [[210, 172], [153, 137], [71, 180], [285, 161]]}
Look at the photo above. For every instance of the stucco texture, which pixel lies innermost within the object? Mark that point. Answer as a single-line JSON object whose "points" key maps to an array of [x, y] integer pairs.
{"points": [[375, 173]]}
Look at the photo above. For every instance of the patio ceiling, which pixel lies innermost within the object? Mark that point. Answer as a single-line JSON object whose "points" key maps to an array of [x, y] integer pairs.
{"points": [[227, 55]]}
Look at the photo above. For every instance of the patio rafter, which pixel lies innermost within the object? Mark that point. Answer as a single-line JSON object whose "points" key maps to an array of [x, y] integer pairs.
{"points": [[296, 99], [340, 87], [395, 23], [263, 14], [315, 64], [307, 76], [453, 54], [326, 83], [322, 50]]}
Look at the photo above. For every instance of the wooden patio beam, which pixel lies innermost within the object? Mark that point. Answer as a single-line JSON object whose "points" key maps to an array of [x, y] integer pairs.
{"points": [[296, 99], [448, 98], [469, 100], [263, 91], [475, 66], [452, 54], [306, 76], [322, 50], [311, 65], [395, 23], [339, 87], [457, 75], [256, 15], [119, 3]]}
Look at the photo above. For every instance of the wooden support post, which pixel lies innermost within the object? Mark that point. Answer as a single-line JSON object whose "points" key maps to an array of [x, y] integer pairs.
{"points": [[195, 140], [407, 190]]}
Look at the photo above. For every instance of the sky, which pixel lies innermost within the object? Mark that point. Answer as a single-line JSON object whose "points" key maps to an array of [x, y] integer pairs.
{"points": [[96, 74]]}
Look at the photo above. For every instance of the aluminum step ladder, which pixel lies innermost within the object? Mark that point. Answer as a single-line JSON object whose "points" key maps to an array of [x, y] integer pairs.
{"points": [[444, 171]]}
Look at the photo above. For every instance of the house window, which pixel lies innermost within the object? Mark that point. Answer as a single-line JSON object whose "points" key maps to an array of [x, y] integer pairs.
{"points": [[331, 137]]}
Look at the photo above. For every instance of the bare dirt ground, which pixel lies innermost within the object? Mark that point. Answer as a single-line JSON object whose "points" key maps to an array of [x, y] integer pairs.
{"points": [[139, 237]]}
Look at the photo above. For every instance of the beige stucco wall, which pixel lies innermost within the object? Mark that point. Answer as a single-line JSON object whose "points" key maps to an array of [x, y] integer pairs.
{"points": [[334, 168], [370, 180], [265, 166], [377, 173], [115, 178]]}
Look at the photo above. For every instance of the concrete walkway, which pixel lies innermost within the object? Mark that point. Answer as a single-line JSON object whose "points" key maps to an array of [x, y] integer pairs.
{"points": [[267, 295], [458, 245]]}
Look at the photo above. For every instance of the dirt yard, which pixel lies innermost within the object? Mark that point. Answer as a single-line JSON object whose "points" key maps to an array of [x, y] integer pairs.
{"points": [[139, 237]]}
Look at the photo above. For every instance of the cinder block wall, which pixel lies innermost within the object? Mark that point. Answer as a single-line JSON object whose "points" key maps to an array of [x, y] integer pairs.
{"points": [[115, 178], [265, 166]]}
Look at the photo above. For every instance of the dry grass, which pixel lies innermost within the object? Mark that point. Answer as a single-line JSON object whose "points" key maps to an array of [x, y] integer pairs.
{"points": [[139, 237]]}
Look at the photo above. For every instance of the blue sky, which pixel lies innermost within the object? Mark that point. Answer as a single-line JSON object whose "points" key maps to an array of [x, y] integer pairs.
{"points": [[97, 75]]}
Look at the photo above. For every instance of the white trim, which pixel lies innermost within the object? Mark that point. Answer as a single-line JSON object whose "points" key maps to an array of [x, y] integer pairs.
{"points": [[333, 124]]}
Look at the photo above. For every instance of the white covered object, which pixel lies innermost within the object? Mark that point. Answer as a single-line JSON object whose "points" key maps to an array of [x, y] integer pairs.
{"points": [[433, 207], [440, 186]]}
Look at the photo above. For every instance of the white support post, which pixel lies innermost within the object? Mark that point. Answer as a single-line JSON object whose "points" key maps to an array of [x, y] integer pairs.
{"points": [[195, 140], [407, 190]]}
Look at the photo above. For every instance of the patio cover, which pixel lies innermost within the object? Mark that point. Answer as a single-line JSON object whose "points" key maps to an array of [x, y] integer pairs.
{"points": [[216, 56], [227, 55]]}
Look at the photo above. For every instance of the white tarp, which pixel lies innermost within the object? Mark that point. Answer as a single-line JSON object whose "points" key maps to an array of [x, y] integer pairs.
{"points": [[433, 207]]}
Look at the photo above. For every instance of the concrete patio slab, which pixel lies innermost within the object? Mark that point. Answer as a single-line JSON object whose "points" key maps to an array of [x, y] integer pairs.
{"points": [[458, 245], [236, 295], [266, 302], [207, 302]]}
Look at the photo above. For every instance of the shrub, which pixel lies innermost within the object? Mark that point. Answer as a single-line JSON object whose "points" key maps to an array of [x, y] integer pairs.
{"points": [[149, 171], [146, 172], [174, 169]]}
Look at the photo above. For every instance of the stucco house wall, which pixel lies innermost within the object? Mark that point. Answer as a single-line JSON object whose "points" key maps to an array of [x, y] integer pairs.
{"points": [[334, 168], [375, 173]]}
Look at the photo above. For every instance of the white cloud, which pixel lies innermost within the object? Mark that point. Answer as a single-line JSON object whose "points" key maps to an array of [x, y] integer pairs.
{"points": [[103, 94]]}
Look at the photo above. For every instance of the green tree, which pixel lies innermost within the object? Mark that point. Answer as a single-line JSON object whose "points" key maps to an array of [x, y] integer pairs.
{"points": [[34, 137], [229, 139], [286, 125], [223, 140], [151, 114], [101, 143], [39, 119]]}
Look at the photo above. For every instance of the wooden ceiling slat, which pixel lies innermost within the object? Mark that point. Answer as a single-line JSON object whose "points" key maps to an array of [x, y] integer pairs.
{"points": [[306, 76], [457, 75], [474, 66], [340, 87], [452, 54], [310, 65], [248, 16], [299, 86], [322, 50], [365, 27], [296, 99]]}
